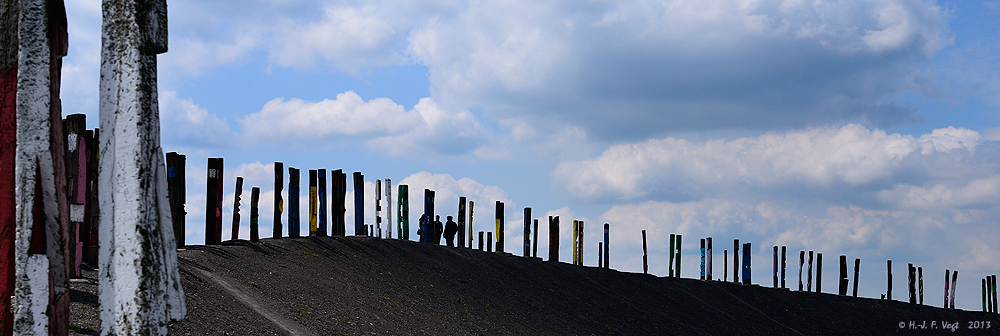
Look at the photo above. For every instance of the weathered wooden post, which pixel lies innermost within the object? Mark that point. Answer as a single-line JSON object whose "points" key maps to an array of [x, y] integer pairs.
{"points": [[378, 208], [677, 261], [37, 218], [736, 261], [708, 257], [321, 194], [461, 223], [471, 208], [388, 210], [313, 203], [480, 240], [294, 214], [774, 274], [236, 208], [176, 189], [993, 278], [702, 258], [911, 274], [645, 260], [254, 200], [580, 246], [489, 241], [984, 295], [783, 250], [403, 214], [527, 232], [920, 278], [213, 207], [74, 129], [600, 254], [888, 267], [857, 266], [140, 283], [819, 272], [534, 245], [843, 275], [802, 261], [554, 238], [607, 243], [279, 204], [427, 224], [747, 280], [670, 263], [499, 231], [809, 275], [8, 150], [947, 273], [359, 205], [954, 286]]}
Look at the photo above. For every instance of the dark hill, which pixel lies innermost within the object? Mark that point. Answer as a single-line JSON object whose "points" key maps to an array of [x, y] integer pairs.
{"points": [[361, 285]]}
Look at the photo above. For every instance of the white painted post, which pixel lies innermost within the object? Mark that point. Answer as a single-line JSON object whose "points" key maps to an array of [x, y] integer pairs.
{"points": [[140, 288]]}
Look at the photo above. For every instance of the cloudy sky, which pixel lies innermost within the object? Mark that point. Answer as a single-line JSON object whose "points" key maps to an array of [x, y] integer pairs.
{"points": [[864, 128]]}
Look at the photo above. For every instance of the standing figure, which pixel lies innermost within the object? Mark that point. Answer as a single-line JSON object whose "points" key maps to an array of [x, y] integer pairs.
{"points": [[438, 230], [450, 229]]}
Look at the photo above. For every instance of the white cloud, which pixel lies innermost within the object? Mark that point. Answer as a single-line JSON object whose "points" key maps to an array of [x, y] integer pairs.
{"points": [[182, 122], [818, 159]]}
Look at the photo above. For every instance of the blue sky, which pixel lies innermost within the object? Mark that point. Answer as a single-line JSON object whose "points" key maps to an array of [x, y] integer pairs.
{"points": [[865, 128]]}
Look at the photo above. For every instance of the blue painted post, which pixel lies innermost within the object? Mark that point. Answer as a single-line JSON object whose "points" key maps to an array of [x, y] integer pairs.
{"points": [[746, 263], [293, 202], [359, 205], [703, 259], [321, 193]]}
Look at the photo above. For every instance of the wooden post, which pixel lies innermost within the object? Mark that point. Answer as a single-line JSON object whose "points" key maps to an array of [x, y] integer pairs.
{"points": [[338, 203], [294, 214], [135, 236], [783, 250], [489, 241], [725, 265], [403, 214], [480, 240], [954, 286], [843, 275], [580, 246], [34, 40], [321, 195], [279, 204], [427, 225], [947, 273], [645, 260], [93, 199], [774, 274], [920, 285], [74, 129], [857, 266], [670, 263], [254, 200], [819, 272], [554, 238], [607, 243], [809, 274], [378, 208], [213, 207], [994, 290], [471, 208], [8, 151], [702, 258], [359, 204], [236, 208], [802, 261], [677, 261], [911, 274], [527, 232], [747, 280], [600, 254], [736, 261], [177, 190], [500, 235], [984, 295], [534, 245], [388, 210], [708, 258], [461, 222]]}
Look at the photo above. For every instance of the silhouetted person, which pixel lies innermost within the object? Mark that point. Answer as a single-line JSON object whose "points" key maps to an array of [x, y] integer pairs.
{"points": [[420, 229], [450, 229], [438, 229]]}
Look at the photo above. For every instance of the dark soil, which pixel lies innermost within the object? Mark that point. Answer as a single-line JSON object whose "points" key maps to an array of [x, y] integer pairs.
{"points": [[368, 286]]}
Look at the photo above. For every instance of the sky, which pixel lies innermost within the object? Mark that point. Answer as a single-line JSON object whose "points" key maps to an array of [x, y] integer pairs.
{"points": [[859, 128]]}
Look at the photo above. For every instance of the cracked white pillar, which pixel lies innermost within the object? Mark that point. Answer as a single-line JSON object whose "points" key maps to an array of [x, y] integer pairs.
{"points": [[41, 298], [140, 289]]}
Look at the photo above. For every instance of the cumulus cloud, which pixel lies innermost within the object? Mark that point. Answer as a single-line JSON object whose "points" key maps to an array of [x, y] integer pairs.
{"points": [[184, 123], [825, 159]]}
